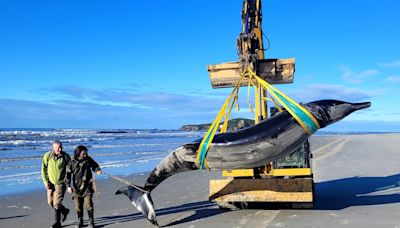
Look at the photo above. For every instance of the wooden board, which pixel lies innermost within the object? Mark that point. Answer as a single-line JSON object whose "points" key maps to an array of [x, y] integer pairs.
{"points": [[274, 71], [262, 190]]}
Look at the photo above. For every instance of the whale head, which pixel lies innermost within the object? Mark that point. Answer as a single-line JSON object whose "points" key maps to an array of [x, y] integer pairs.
{"points": [[330, 111]]}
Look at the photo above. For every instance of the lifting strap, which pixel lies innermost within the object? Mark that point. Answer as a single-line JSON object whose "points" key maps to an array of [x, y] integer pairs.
{"points": [[301, 115], [209, 136]]}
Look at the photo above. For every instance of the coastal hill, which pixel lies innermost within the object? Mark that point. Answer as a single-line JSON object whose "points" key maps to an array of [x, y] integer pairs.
{"points": [[233, 125]]}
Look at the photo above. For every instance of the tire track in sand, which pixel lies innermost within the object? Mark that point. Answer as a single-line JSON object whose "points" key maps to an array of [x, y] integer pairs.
{"points": [[333, 151], [324, 147]]}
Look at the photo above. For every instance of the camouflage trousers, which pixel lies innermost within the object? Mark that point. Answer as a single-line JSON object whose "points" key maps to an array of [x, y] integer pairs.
{"points": [[83, 200]]}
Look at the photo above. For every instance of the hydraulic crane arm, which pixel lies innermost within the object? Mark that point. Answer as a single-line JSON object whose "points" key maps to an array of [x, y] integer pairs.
{"points": [[251, 54], [250, 43]]}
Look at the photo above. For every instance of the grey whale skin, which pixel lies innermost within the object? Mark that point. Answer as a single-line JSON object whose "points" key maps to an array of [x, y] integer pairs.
{"points": [[251, 147]]}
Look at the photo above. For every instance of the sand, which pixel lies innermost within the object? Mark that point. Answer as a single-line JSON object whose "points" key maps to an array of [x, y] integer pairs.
{"points": [[357, 184]]}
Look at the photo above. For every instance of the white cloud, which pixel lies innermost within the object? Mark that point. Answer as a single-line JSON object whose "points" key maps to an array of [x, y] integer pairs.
{"points": [[160, 100], [331, 91], [85, 107], [394, 79], [356, 77], [83, 114], [391, 64]]}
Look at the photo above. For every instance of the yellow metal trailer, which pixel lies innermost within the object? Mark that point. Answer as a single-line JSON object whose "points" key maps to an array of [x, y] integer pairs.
{"points": [[291, 184]]}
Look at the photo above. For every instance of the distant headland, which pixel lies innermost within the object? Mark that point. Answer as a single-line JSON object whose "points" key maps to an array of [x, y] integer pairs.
{"points": [[233, 125]]}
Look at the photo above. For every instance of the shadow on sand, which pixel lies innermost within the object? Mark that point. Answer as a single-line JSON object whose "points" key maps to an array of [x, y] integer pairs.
{"points": [[13, 217], [357, 191], [197, 210]]}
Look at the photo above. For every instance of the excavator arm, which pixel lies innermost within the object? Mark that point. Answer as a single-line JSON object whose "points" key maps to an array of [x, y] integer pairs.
{"points": [[250, 49], [250, 43]]}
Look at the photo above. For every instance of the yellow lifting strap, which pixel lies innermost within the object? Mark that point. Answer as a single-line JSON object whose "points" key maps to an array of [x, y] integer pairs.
{"points": [[302, 116], [209, 136]]}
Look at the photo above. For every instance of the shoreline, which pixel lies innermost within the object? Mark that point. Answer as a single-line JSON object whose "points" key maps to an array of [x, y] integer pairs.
{"points": [[102, 178]]}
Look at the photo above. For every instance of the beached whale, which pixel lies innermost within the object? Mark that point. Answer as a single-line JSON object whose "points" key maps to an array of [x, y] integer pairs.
{"points": [[251, 147]]}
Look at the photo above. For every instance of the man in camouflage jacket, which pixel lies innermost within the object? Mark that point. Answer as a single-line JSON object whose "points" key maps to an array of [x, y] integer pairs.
{"points": [[79, 172]]}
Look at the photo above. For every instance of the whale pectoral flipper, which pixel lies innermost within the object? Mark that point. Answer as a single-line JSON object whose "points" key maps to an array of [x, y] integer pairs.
{"points": [[141, 200]]}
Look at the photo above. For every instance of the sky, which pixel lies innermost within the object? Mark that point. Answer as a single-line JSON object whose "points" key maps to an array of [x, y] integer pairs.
{"points": [[142, 64]]}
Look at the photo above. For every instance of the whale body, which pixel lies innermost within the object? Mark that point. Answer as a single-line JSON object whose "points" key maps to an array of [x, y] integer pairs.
{"points": [[251, 147]]}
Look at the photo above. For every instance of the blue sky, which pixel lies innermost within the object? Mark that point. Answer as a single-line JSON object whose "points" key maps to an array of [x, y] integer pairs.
{"points": [[142, 64]]}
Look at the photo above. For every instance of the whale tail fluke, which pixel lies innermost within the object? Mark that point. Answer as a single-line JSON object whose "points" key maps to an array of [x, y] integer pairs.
{"points": [[141, 199]]}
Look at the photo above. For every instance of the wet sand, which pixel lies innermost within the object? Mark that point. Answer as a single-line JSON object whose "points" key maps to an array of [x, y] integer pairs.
{"points": [[357, 184]]}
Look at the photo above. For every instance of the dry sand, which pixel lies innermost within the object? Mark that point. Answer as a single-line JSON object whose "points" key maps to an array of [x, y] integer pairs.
{"points": [[357, 185]]}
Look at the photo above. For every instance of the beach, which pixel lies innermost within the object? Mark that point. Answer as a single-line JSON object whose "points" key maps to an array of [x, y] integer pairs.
{"points": [[357, 184]]}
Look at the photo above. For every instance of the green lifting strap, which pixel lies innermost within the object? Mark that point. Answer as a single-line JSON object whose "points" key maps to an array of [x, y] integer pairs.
{"points": [[209, 136], [302, 116], [306, 119], [204, 149]]}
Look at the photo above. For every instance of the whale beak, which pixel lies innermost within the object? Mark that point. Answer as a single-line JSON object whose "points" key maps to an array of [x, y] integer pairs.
{"points": [[358, 106]]}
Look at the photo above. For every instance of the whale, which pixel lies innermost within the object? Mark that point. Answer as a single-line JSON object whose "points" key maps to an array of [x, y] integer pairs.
{"points": [[251, 147]]}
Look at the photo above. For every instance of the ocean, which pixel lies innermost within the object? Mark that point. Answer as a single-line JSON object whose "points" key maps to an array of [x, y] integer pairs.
{"points": [[119, 151]]}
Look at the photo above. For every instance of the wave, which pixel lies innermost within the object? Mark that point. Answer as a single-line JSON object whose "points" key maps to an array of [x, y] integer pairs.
{"points": [[19, 175], [77, 132], [110, 154], [105, 164], [135, 145], [5, 149], [29, 142], [124, 161], [21, 150], [30, 138], [20, 167], [115, 165], [128, 153], [12, 159]]}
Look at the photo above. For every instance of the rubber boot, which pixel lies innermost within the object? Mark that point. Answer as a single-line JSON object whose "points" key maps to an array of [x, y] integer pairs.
{"points": [[64, 213], [80, 220], [57, 218], [91, 219]]}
